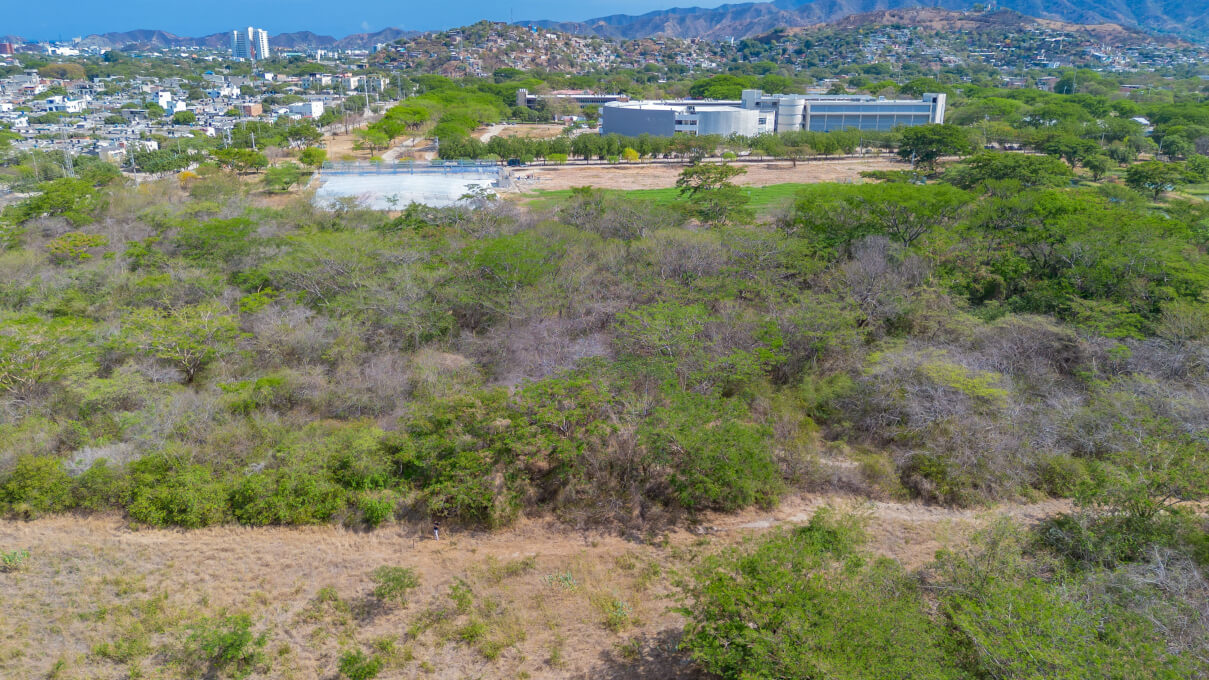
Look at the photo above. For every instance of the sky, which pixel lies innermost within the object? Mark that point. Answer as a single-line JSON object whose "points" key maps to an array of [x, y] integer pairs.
{"points": [[65, 19]]}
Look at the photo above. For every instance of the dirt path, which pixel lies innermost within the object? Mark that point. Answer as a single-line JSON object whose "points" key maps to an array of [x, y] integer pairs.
{"points": [[544, 591], [490, 131], [407, 147]]}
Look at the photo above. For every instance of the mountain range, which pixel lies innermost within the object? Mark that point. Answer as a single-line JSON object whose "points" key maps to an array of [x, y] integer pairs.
{"points": [[1186, 18], [1128, 18], [1004, 20]]}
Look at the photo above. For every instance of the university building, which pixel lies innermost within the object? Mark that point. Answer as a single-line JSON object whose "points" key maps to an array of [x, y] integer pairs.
{"points": [[758, 113]]}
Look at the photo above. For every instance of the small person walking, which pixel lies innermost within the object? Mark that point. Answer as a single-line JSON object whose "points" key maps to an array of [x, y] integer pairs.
{"points": [[436, 531]]}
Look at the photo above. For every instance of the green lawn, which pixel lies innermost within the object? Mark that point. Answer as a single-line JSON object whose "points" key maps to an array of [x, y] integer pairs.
{"points": [[1198, 190], [763, 199]]}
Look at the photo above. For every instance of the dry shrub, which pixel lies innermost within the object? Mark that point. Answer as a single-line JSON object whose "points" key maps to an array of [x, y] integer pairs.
{"points": [[186, 415], [883, 279], [216, 186], [1117, 417], [684, 255], [957, 428], [611, 217], [373, 385], [436, 374], [1181, 361], [614, 488], [21, 267], [1032, 349], [1168, 588], [114, 454], [157, 372], [1183, 321], [239, 442], [287, 334], [126, 204], [490, 219], [532, 349]]}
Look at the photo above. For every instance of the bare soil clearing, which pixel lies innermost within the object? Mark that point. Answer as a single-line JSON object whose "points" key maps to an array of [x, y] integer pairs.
{"points": [[340, 147], [544, 591], [537, 131], [621, 176]]}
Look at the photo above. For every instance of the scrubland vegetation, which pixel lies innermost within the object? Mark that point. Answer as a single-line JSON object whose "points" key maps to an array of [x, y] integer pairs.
{"points": [[190, 358]]}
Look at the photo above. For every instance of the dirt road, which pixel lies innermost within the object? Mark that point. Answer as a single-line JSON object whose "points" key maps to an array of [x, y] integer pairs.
{"points": [[554, 602]]}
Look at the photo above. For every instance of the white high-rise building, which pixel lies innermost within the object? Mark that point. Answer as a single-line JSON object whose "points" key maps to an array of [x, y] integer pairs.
{"points": [[251, 44]]}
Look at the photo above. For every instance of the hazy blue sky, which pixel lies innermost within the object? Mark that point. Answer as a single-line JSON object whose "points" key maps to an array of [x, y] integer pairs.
{"points": [[70, 18]]}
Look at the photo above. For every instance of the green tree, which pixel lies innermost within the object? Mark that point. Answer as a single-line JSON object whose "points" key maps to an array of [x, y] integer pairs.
{"points": [[411, 116], [37, 485], [74, 198], [925, 144], [241, 160], [725, 466], [302, 134], [1152, 177], [74, 246], [997, 166], [371, 138], [62, 71], [803, 604], [35, 353], [1071, 149], [721, 86], [712, 196], [189, 337], [184, 118], [279, 178], [918, 86], [312, 157], [1097, 166]]}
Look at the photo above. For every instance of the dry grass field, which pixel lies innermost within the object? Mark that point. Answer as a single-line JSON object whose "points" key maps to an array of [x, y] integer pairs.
{"points": [[98, 599], [621, 176], [534, 131]]}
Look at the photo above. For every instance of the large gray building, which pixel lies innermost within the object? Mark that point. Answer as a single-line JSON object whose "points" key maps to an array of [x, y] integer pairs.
{"points": [[758, 113]]}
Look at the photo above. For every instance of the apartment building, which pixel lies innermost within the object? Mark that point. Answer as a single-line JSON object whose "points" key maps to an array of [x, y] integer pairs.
{"points": [[251, 44]]}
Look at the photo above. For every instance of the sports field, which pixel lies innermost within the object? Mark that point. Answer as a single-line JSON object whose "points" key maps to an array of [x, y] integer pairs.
{"points": [[385, 191]]}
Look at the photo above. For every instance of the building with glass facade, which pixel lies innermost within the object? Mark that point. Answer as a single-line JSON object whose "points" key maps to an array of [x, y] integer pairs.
{"points": [[251, 44], [758, 113]]}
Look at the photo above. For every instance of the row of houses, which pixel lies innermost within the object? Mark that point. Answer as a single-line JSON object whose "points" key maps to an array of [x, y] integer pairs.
{"points": [[109, 117]]}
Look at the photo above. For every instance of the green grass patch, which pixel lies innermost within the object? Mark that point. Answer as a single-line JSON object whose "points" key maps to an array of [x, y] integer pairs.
{"points": [[763, 199], [1199, 190]]}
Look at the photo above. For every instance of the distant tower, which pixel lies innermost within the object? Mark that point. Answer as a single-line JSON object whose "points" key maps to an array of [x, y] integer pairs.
{"points": [[262, 44], [239, 45], [251, 44]]}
